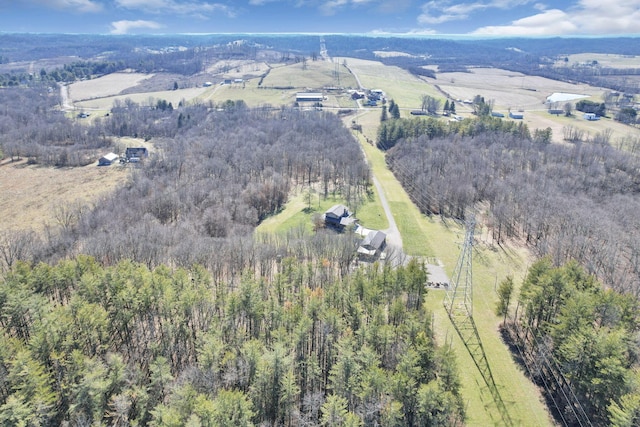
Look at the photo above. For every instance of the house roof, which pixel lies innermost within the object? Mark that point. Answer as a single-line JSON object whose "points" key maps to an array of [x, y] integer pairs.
{"points": [[109, 157], [337, 211], [374, 239]]}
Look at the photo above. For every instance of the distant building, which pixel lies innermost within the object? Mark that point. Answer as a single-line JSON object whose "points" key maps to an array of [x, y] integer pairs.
{"points": [[207, 84], [309, 97], [497, 114], [418, 113], [590, 116], [135, 154], [517, 116], [108, 159]]}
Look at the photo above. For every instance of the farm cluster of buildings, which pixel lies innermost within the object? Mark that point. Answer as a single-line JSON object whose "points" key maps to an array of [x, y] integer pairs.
{"points": [[131, 155], [373, 242]]}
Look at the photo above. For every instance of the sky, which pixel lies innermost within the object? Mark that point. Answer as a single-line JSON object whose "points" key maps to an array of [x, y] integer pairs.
{"points": [[415, 17]]}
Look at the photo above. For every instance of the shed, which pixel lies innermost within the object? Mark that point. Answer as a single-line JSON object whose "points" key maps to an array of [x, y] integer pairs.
{"points": [[107, 159], [497, 114], [309, 97], [590, 116], [374, 242], [518, 116]]}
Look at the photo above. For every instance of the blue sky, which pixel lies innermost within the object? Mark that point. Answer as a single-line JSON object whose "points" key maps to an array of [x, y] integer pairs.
{"points": [[473, 17]]}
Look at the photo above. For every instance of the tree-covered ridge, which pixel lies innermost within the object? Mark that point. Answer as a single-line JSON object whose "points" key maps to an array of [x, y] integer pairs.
{"points": [[126, 345], [586, 334], [390, 132], [566, 201]]}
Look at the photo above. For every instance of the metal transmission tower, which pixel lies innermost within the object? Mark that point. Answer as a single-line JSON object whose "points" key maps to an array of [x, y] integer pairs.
{"points": [[459, 299], [459, 305]]}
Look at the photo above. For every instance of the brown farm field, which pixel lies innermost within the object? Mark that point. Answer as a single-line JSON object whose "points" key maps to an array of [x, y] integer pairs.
{"points": [[109, 85], [30, 194], [519, 92], [603, 59]]}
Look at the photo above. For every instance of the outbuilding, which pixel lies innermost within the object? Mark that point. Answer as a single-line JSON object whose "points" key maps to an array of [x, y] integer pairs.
{"points": [[136, 153], [309, 97], [373, 243], [590, 116], [108, 159]]}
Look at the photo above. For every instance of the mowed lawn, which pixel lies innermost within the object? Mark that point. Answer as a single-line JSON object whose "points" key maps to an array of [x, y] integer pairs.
{"points": [[300, 209]]}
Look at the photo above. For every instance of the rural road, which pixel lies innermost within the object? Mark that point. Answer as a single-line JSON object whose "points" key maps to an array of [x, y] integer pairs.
{"points": [[394, 239], [64, 94]]}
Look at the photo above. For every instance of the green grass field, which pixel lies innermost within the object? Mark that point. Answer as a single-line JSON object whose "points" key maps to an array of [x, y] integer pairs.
{"points": [[398, 84], [318, 74], [299, 210]]}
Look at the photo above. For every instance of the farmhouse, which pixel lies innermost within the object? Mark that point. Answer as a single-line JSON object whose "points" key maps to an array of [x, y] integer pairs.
{"points": [[372, 244], [135, 154], [309, 97], [338, 216], [107, 159]]}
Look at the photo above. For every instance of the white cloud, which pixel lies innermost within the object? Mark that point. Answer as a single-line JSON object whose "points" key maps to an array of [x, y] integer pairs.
{"points": [[330, 7], [77, 5], [438, 12], [586, 17], [125, 27], [177, 7]]}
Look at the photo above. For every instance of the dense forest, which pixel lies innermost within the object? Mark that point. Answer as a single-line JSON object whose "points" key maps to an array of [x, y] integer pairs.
{"points": [[579, 342], [125, 345]]}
